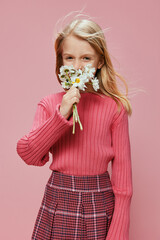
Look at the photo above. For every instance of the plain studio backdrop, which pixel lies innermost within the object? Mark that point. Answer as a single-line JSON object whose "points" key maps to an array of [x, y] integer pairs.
{"points": [[27, 73]]}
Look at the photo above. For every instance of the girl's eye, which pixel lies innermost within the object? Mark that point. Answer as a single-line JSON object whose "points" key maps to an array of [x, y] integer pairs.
{"points": [[86, 58], [69, 58]]}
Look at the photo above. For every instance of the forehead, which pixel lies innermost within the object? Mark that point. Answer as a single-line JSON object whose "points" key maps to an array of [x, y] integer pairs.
{"points": [[73, 43]]}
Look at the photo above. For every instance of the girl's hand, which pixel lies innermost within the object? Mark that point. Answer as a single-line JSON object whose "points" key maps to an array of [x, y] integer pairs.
{"points": [[72, 96]]}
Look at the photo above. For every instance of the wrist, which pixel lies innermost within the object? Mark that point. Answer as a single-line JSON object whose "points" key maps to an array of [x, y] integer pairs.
{"points": [[61, 112]]}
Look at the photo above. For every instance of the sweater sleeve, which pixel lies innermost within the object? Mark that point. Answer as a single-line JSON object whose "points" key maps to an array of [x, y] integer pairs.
{"points": [[34, 147], [121, 178]]}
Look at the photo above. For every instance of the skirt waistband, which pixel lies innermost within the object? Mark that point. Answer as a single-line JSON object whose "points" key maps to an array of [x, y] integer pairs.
{"points": [[86, 183]]}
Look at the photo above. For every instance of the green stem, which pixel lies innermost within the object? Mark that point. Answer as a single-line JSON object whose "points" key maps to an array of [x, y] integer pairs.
{"points": [[76, 118]]}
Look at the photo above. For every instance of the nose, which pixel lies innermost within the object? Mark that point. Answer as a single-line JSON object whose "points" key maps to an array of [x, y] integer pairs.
{"points": [[77, 64]]}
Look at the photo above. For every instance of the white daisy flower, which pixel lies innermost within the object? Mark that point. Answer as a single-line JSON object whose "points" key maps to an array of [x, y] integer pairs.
{"points": [[78, 81], [89, 71], [67, 69], [95, 83], [64, 85]]}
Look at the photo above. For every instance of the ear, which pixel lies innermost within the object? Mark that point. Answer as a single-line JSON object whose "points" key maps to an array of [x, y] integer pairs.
{"points": [[101, 62]]}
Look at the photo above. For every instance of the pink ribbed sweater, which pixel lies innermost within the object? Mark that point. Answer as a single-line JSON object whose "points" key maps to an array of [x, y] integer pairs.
{"points": [[105, 137]]}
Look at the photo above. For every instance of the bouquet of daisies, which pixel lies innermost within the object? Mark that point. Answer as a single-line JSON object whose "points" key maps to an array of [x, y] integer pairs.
{"points": [[71, 77]]}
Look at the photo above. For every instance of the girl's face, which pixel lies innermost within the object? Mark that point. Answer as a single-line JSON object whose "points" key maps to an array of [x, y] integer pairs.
{"points": [[79, 52]]}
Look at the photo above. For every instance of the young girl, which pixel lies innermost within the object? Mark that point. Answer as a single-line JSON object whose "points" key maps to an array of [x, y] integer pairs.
{"points": [[80, 200]]}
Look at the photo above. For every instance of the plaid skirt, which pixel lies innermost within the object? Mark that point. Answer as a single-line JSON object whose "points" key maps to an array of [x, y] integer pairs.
{"points": [[75, 207]]}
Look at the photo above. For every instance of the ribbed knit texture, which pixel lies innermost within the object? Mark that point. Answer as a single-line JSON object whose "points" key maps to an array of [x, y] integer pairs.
{"points": [[105, 137]]}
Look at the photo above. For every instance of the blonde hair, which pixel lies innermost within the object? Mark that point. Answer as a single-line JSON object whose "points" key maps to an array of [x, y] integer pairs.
{"points": [[91, 32]]}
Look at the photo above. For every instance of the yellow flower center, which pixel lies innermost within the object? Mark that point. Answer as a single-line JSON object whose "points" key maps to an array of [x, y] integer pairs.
{"points": [[77, 80]]}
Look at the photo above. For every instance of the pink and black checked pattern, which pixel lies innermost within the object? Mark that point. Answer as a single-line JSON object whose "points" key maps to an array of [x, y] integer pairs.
{"points": [[75, 207]]}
